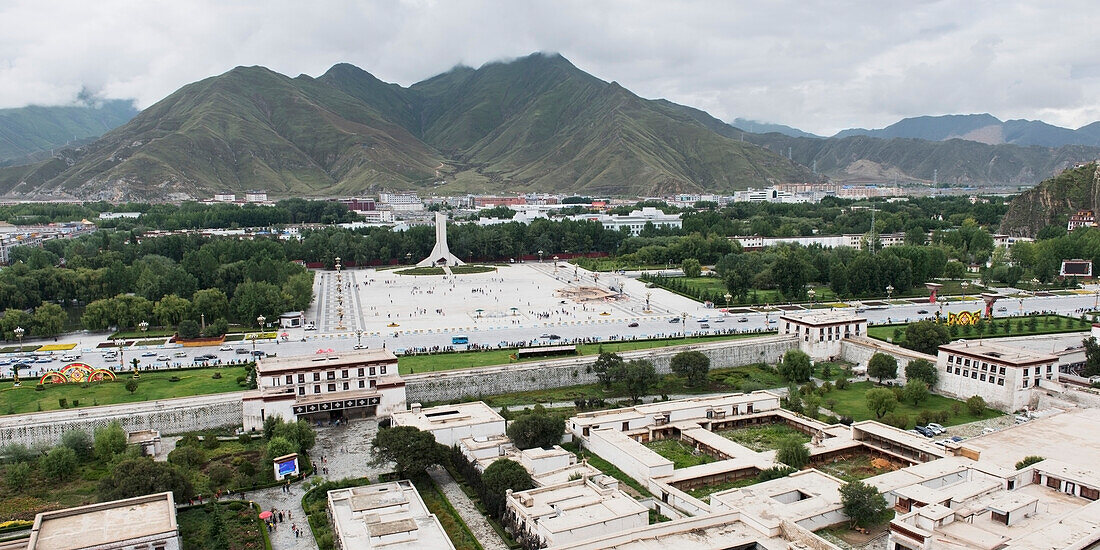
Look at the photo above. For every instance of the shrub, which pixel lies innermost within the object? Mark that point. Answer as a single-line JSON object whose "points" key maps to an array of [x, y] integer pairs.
{"points": [[792, 452], [220, 475], [174, 379], [976, 405], [210, 441], [1028, 461], [842, 383], [897, 420], [79, 441], [60, 463], [217, 376]]}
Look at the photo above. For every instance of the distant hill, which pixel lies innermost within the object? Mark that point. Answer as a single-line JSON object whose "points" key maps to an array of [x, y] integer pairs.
{"points": [[953, 162], [983, 128], [536, 123], [1053, 200], [34, 129], [767, 128]]}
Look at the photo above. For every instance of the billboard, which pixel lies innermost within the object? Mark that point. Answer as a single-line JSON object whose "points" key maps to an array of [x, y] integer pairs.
{"points": [[286, 466]]}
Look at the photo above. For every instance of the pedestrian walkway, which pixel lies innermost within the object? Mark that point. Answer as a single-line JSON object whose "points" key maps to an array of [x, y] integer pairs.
{"points": [[283, 535], [479, 526]]}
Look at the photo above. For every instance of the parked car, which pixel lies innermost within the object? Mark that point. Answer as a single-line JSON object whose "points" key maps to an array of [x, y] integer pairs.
{"points": [[674, 320], [704, 325], [633, 325], [936, 428], [242, 351], [162, 358], [988, 430], [922, 312], [149, 354], [957, 439], [69, 357], [258, 353], [720, 320], [226, 347], [311, 326], [1020, 419], [179, 354], [555, 337], [924, 431], [743, 320], [545, 336]]}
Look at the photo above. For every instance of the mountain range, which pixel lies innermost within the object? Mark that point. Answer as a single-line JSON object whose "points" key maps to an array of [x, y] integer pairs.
{"points": [[31, 130], [984, 128], [1051, 202], [535, 123]]}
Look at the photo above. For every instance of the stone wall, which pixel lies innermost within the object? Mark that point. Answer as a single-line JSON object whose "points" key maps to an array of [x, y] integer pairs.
{"points": [[169, 416], [475, 383]]}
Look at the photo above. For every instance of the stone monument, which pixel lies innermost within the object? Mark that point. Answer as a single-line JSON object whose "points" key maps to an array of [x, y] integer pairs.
{"points": [[441, 254]]}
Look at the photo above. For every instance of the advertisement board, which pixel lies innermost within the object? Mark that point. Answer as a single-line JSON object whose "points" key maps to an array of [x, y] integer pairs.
{"points": [[286, 466]]}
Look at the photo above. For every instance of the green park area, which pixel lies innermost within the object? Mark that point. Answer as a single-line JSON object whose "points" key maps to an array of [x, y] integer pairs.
{"points": [[998, 328], [410, 364], [852, 402], [681, 454], [764, 438], [152, 385], [222, 525]]}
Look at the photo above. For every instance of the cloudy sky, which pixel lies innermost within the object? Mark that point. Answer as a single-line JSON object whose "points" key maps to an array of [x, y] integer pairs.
{"points": [[816, 65]]}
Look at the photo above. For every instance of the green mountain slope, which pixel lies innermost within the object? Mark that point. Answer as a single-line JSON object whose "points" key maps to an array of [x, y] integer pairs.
{"points": [[29, 130], [536, 123], [1053, 200], [954, 162]]}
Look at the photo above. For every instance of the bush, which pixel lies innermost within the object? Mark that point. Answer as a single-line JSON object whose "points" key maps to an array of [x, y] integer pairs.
{"points": [[59, 464], [1028, 461], [897, 420], [79, 442], [537, 429], [976, 405], [210, 441], [110, 440], [217, 376], [220, 474], [775, 472], [188, 458], [244, 439], [792, 452], [842, 383]]}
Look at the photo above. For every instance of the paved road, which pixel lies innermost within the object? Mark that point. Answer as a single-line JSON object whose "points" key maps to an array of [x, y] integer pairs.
{"points": [[479, 526]]}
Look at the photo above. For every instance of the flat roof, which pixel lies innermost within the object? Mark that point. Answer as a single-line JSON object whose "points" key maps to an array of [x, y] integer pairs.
{"points": [[823, 318], [989, 351], [724, 530], [575, 504], [637, 411], [628, 445], [269, 365], [819, 494], [1070, 437], [385, 509], [105, 523], [448, 416]]}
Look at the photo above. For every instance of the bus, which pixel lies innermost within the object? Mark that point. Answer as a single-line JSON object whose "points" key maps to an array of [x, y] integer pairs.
{"points": [[460, 340]]}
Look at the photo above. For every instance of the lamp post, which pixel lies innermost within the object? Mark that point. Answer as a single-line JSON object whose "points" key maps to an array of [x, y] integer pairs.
{"points": [[811, 293], [684, 322], [1034, 284], [260, 323], [121, 360], [15, 367], [964, 285], [359, 338], [144, 327], [202, 317], [540, 256], [889, 292], [555, 265], [647, 295], [727, 296]]}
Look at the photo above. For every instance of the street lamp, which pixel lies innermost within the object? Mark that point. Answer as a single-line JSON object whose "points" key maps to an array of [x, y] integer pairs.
{"points": [[727, 296], [1034, 284], [19, 332], [540, 256], [359, 338], [555, 265], [684, 322], [889, 291], [811, 293], [260, 322], [647, 295], [964, 285], [15, 368]]}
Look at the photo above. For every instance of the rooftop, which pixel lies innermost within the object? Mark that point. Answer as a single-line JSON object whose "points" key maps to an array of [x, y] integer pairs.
{"points": [[824, 318], [801, 495], [448, 416], [269, 365], [576, 504], [387, 515], [665, 407], [105, 523], [724, 530], [1069, 437], [996, 352]]}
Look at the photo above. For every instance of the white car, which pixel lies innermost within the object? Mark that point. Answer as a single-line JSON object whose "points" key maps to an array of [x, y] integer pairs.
{"points": [[162, 357], [226, 347], [936, 428], [180, 354]]}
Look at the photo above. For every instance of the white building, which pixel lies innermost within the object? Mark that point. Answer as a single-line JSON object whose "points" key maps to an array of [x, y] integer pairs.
{"points": [[1002, 375], [574, 511], [819, 333], [325, 387], [635, 221], [225, 197], [384, 515], [451, 423], [118, 215], [255, 196], [401, 202], [147, 522]]}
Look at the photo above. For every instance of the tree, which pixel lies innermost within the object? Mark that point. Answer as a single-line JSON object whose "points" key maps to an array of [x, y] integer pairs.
{"points": [[926, 336], [881, 401], [188, 329], [882, 366], [409, 449], [976, 405], [298, 433], [795, 366], [638, 377], [693, 365], [59, 464], [255, 298], [110, 440], [172, 309], [1028, 461], [862, 503], [792, 452], [916, 391], [537, 429], [188, 458], [132, 385], [607, 367], [210, 302], [141, 476], [691, 267], [1092, 355], [923, 370], [49, 319], [79, 442], [216, 328], [279, 446], [499, 477]]}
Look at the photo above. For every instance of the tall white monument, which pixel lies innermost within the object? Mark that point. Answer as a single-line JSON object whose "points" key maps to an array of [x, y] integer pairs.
{"points": [[441, 254]]}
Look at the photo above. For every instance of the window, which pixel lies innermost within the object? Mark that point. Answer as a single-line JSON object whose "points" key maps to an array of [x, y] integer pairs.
{"points": [[362, 384], [1002, 371], [330, 375], [382, 369], [332, 387], [344, 373], [372, 382], [1054, 483], [372, 371], [1026, 383], [301, 378], [289, 379], [1000, 381], [316, 376], [1090, 493], [360, 372], [999, 517], [316, 388], [974, 374], [301, 390]]}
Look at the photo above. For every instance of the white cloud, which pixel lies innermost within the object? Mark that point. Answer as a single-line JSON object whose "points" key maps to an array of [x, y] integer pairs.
{"points": [[821, 66]]}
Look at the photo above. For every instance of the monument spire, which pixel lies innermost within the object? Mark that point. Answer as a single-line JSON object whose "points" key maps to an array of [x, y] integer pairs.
{"points": [[441, 254]]}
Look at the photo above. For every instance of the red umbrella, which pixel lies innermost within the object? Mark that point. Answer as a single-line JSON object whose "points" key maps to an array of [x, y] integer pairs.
{"points": [[265, 514]]}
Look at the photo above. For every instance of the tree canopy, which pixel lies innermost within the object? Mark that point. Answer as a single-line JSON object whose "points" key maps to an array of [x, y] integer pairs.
{"points": [[795, 366], [926, 336], [923, 370], [862, 503], [881, 401], [693, 365], [409, 449], [537, 429], [882, 366]]}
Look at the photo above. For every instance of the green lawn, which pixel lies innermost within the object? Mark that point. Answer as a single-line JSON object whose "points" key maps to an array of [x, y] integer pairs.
{"points": [[237, 523], [1018, 326], [705, 491], [681, 454], [151, 386], [853, 403], [409, 364], [763, 438]]}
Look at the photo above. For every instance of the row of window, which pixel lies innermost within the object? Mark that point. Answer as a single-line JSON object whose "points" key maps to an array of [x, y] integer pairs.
{"points": [[331, 375], [1000, 381], [332, 387]]}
